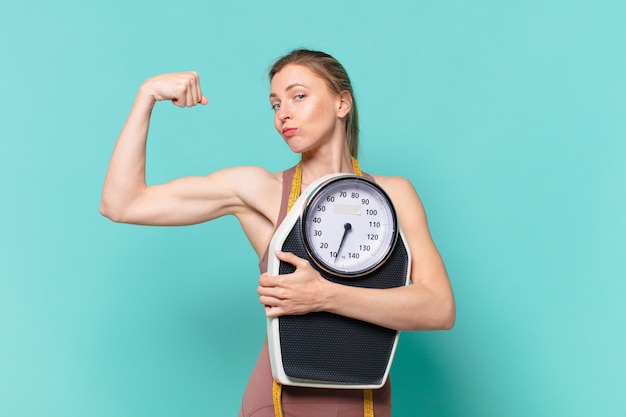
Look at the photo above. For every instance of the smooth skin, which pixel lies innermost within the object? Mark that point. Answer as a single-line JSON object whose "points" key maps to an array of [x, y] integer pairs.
{"points": [[311, 120]]}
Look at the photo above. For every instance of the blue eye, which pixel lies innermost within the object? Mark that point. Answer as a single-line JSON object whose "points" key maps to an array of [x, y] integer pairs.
{"points": [[299, 97], [275, 106]]}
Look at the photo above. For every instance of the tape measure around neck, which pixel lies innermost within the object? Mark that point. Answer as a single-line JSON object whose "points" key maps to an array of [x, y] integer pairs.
{"points": [[296, 183], [277, 387]]}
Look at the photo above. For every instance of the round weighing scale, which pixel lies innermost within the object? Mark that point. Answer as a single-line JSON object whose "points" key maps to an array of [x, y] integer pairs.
{"points": [[347, 228]]}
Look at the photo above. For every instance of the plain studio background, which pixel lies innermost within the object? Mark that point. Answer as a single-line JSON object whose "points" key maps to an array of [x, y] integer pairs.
{"points": [[508, 117]]}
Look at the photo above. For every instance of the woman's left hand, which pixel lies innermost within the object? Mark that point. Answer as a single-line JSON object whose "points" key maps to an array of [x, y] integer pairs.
{"points": [[303, 291]]}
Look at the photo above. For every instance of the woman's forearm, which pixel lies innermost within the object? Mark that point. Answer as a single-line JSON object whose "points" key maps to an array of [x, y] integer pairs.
{"points": [[125, 177], [414, 307], [426, 304]]}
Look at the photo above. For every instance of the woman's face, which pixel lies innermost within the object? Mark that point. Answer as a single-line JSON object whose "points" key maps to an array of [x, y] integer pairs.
{"points": [[306, 113]]}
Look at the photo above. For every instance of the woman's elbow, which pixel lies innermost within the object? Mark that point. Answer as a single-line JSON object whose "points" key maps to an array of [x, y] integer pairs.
{"points": [[110, 211], [445, 316], [441, 317], [448, 317]]}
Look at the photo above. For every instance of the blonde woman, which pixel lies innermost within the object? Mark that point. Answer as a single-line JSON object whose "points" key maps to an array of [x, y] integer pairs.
{"points": [[315, 113]]}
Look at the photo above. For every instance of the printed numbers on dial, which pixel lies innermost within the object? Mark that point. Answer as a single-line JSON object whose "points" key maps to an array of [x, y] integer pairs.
{"points": [[350, 226]]}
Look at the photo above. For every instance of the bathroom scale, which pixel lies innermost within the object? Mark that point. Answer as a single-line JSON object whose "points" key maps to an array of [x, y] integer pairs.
{"points": [[347, 228]]}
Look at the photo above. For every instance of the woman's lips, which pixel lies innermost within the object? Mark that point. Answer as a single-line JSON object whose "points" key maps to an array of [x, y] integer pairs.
{"points": [[289, 131]]}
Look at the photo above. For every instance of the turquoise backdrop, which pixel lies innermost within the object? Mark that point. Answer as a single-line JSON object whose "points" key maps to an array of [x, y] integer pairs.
{"points": [[509, 117]]}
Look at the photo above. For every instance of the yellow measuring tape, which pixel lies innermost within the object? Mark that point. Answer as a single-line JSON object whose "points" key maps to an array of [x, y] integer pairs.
{"points": [[277, 387]]}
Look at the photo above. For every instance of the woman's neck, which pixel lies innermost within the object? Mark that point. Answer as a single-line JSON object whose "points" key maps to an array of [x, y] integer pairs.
{"points": [[316, 165]]}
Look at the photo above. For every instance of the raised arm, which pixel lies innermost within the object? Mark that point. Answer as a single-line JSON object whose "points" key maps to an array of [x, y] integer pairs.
{"points": [[125, 195], [127, 198]]}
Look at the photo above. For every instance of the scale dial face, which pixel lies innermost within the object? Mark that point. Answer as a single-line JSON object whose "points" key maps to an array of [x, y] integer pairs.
{"points": [[349, 226]]}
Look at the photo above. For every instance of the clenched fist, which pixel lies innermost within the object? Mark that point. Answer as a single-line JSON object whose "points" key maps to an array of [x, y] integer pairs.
{"points": [[182, 88]]}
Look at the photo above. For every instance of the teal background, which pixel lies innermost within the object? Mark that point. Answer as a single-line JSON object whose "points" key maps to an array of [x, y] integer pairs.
{"points": [[508, 117]]}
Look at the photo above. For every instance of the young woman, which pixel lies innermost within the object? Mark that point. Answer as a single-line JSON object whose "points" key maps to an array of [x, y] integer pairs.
{"points": [[315, 113]]}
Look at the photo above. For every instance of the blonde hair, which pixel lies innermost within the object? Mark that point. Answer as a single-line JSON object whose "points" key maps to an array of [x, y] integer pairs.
{"points": [[336, 77]]}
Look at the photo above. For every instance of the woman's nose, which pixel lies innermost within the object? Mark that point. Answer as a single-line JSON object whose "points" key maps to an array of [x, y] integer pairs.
{"points": [[284, 113]]}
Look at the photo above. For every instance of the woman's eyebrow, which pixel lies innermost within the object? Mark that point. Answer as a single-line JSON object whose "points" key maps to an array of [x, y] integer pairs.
{"points": [[289, 87]]}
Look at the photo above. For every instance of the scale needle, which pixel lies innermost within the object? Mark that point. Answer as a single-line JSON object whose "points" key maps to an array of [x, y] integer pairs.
{"points": [[346, 228]]}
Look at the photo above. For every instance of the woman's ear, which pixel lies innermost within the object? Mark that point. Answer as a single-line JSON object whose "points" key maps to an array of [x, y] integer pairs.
{"points": [[344, 104]]}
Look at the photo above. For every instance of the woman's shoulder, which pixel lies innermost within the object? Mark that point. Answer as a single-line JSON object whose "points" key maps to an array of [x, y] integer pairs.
{"points": [[400, 190], [393, 182]]}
